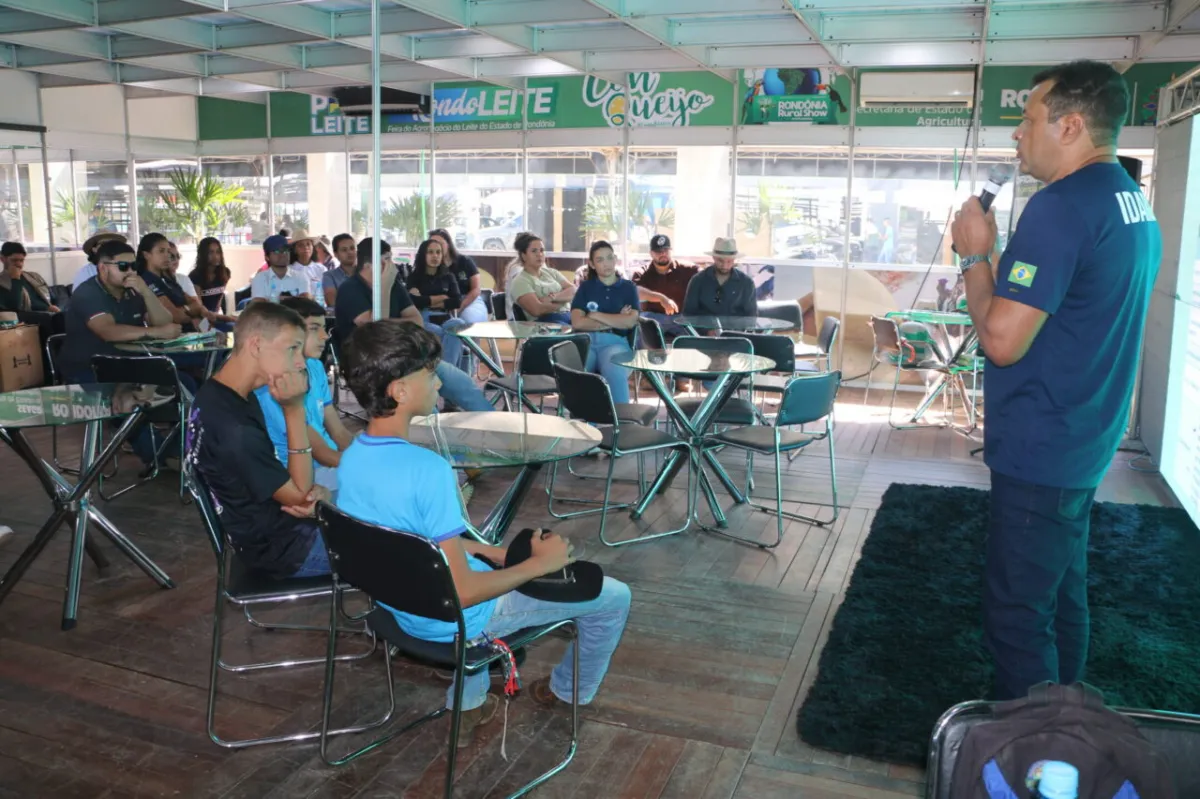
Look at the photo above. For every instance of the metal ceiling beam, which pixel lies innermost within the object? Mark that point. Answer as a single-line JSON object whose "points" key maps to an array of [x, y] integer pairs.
{"points": [[657, 28], [391, 20], [1177, 47], [594, 37], [834, 57], [753, 57], [1176, 13], [883, 26], [186, 32], [641, 61], [259, 34], [467, 45], [683, 8], [90, 45], [911, 54], [1073, 22], [530, 12], [1034, 51], [709, 32], [25, 22]]}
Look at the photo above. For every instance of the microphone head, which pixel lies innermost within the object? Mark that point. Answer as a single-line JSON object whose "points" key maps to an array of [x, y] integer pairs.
{"points": [[1000, 174]]}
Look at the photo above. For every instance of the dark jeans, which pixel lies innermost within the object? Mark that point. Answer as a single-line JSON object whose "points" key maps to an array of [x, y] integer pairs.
{"points": [[1035, 584]]}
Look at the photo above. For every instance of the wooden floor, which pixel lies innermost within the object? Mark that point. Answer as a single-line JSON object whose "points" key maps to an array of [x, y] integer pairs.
{"points": [[722, 644]]}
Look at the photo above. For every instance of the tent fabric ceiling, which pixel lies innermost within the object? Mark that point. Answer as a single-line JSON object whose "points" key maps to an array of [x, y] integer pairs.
{"points": [[231, 47]]}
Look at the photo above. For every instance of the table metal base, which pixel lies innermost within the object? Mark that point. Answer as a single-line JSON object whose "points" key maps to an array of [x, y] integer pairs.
{"points": [[72, 503], [500, 518]]}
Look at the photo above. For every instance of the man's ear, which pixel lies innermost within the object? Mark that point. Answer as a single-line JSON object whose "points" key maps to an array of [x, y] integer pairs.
{"points": [[398, 391], [1071, 128]]}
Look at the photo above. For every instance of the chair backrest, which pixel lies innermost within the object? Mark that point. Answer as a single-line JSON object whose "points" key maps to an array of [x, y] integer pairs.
{"points": [[886, 333], [808, 398], [404, 571], [241, 295], [715, 344], [519, 314], [208, 511], [652, 334], [60, 293], [566, 353], [787, 311], [828, 335], [158, 370], [780, 349], [486, 295], [534, 357], [54, 345], [585, 395], [499, 311]]}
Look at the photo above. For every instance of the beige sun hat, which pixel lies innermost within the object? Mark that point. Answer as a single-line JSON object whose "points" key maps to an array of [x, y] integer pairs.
{"points": [[724, 248]]}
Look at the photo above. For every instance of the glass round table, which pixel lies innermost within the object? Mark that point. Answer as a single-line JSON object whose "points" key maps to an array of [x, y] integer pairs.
{"points": [[503, 330], [498, 439], [742, 324], [725, 370], [212, 344], [89, 404]]}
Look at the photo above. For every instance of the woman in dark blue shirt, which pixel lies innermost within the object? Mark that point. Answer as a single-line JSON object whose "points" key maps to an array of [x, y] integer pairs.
{"points": [[606, 308]]}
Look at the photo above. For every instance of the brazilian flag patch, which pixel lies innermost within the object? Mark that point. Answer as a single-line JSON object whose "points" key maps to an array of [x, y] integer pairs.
{"points": [[1022, 274]]}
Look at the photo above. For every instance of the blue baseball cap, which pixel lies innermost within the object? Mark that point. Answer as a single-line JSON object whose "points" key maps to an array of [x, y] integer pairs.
{"points": [[275, 244]]}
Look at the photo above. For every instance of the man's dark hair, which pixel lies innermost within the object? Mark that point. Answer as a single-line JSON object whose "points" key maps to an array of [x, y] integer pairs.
{"points": [[264, 319], [1092, 89], [12, 248], [111, 249], [338, 239], [364, 251], [304, 306], [381, 352]]}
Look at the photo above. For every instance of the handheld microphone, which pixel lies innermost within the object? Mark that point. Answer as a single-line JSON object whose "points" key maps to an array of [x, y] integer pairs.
{"points": [[997, 177]]}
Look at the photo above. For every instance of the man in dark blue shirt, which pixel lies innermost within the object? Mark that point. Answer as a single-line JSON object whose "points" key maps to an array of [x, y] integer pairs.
{"points": [[721, 290], [1061, 322]]}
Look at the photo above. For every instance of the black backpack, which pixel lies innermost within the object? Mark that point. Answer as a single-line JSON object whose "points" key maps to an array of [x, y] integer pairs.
{"points": [[1059, 722]]}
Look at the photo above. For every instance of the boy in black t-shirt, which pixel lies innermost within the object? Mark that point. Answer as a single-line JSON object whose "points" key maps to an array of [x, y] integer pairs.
{"points": [[265, 508]]}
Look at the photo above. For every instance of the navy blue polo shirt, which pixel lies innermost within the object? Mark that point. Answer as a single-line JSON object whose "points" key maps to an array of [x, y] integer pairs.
{"points": [[1086, 251], [593, 295]]}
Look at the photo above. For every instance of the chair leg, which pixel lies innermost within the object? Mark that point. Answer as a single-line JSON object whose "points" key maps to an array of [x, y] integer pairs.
{"points": [[602, 506], [237, 668], [650, 536]]}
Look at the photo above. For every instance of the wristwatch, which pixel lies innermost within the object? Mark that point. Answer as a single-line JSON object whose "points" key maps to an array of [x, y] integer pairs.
{"points": [[965, 264]]}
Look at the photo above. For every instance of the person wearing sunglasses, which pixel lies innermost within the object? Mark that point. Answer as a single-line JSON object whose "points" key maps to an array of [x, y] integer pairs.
{"points": [[722, 290], [278, 279], [114, 306]]}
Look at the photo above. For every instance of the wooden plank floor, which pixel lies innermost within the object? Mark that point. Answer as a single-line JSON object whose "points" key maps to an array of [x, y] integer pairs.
{"points": [[722, 644]]}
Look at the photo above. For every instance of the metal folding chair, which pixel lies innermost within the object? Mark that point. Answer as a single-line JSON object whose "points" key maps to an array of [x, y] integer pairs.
{"points": [[892, 349], [245, 588], [410, 574], [533, 375], [806, 361], [807, 398]]}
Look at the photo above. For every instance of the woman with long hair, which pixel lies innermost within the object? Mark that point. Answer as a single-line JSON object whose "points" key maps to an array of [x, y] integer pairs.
{"points": [[434, 290], [605, 307], [473, 308], [154, 267], [540, 291], [210, 275]]}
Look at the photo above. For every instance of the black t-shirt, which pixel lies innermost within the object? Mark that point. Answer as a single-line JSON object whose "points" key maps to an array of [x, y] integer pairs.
{"points": [[464, 269], [354, 298], [228, 444], [431, 286], [87, 302], [211, 294]]}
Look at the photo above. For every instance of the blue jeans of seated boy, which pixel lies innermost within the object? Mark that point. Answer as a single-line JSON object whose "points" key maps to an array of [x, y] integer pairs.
{"points": [[474, 313], [601, 623], [459, 389], [605, 347], [317, 562], [452, 346]]}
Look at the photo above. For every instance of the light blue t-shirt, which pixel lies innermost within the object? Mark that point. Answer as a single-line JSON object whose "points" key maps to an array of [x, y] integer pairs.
{"points": [[396, 484], [315, 400]]}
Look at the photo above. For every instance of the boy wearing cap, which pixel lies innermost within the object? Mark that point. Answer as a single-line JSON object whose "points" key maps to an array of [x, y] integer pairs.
{"points": [[278, 278], [662, 286], [391, 368], [721, 290]]}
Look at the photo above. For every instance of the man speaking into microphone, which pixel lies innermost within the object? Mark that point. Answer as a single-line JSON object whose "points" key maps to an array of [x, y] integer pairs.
{"points": [[1060, 318]]}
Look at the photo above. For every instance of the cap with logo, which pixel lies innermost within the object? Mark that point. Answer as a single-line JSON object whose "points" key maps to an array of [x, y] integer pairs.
{"points": [[659, 242], [275, 244]]}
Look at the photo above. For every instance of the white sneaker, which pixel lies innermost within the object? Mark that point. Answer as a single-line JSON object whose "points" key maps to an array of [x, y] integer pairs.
{"points": [[5, 532]]}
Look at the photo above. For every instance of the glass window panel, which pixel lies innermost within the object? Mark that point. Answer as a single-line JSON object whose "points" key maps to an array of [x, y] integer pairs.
{"points": [[682, 192], [245, 219], [480, 201], [168, 201], [102, 189], [404, 196], [575, 197]]}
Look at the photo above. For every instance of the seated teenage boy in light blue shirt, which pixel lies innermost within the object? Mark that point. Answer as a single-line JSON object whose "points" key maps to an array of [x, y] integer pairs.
{"points": [[328, 435], [385, 480]]}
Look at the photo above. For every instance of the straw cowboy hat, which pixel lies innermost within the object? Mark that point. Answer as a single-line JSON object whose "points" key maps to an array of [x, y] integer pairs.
{"points": [[91, 244], [724, 248]]}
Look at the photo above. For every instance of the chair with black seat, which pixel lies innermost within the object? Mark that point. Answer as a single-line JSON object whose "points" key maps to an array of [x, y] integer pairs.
{"points": [[572, 358], [246, 588], [499, 305], [807, 398], [532, 374], [486, 296], [779, 349], [737, 410], [587, 398], [786, 310], [410, 574], [240, 296], [334, 350], [892, 348], [1176, 736], [519, 314], [808, 361], [652, 334], [154, 370]]}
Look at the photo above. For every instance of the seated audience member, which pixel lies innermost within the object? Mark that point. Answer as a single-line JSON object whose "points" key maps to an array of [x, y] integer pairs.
{"points": [[605, 307], [542, 292], [203, 318], [305, 263], [392, 369], [278, 279], [663, 284], [154, 267], [346, 252], [323, 253], [473, 309], [210, 277], [354, 309], [21, 290], [266, 507], [434, 290], [721, 290], [88, 270], [328, 436], [114, 306]]}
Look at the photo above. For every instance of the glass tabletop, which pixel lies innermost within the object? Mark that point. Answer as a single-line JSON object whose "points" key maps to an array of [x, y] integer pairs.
{"points": [[491, 439], [932, 317], [689, 361], [731, 322], [55, 406], [191, 342], [503, 329]]}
